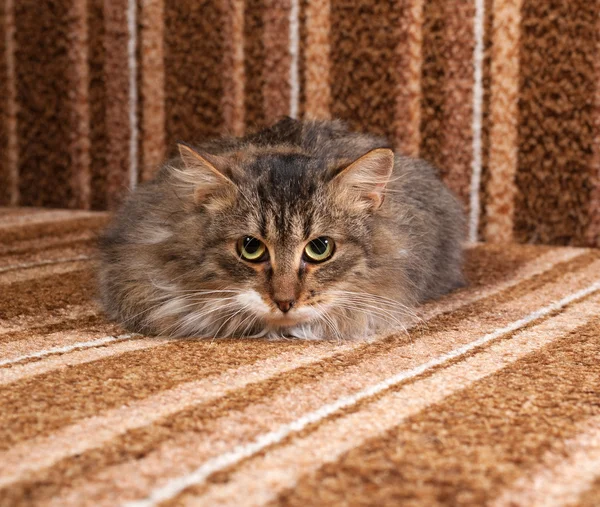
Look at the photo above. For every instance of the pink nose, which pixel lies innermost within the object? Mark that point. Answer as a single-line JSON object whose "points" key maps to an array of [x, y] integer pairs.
{"points": [[285, 305]]}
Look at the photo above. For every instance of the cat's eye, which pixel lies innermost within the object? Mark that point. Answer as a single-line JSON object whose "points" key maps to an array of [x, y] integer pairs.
{"points": [[319, 249], [252, 249]]}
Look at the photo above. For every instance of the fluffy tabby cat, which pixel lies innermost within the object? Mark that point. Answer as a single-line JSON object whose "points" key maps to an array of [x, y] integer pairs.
{"points": [[304, 229]]}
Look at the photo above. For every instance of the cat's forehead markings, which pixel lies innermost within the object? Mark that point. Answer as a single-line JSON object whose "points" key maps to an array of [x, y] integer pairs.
{"points": [[308, 225], [250, 153], [268, 228], [286, 228], [298, 226]]}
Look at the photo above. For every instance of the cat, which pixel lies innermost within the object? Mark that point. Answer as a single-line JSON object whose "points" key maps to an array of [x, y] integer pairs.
{"points": [[304, 229]]}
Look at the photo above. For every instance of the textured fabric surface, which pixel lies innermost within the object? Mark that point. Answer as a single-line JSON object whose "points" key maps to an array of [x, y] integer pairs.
{"points": [[491, 398], [503, 96]]}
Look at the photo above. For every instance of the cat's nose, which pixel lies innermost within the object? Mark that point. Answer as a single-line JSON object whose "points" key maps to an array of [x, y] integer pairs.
{"points": [[285, 305]]}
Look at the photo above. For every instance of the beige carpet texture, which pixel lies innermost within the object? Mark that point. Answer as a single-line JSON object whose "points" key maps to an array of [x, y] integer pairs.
{"points": [[491, 398]]}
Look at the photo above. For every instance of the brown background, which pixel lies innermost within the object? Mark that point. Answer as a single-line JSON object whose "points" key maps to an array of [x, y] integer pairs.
{"points": [[72, 72]]}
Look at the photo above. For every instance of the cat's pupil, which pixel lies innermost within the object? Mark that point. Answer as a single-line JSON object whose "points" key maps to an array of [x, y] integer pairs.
{"points": [[319, 245], [251, 245]]}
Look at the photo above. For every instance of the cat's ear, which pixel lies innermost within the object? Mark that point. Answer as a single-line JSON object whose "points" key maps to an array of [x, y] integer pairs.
{"points": [[203, 173], [365, 178]]}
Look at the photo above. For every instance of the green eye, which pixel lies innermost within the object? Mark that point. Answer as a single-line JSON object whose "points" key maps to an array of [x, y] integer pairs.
{"points": [[319, 250], [252, 249]]}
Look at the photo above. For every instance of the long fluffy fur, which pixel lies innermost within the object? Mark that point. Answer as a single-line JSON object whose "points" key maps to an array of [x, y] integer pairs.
{"points": [[169, 264]]}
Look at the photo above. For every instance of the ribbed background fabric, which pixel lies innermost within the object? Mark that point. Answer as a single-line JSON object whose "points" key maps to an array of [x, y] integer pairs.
{"points": [[502, 96]]}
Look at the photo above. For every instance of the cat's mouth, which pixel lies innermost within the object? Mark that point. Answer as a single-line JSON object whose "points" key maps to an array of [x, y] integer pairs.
{"points": [[285, 320], [273, 317], [300, 315]]}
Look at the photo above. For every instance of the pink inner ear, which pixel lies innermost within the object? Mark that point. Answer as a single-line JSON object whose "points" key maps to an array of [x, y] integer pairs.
{"points": [[376, 197], [214, 196], [368, 176]]}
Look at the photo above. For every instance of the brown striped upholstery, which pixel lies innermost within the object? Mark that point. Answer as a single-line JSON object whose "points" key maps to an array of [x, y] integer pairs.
{"points": [[492, 398], [94, 94]]}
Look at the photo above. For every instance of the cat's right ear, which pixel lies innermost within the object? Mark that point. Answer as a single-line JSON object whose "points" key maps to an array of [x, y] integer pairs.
{"points": [[203, 174], [365, 179]]}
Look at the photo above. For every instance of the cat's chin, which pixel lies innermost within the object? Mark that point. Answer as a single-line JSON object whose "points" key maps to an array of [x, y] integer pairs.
{"points": [[297, 317], [282, 322]]}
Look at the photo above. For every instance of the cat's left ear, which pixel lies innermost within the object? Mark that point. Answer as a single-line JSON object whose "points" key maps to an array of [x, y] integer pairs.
{"points": [[365, 178], [203, 173]]}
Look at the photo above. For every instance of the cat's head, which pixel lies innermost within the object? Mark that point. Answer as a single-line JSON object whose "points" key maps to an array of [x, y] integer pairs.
{"points": [[288, 239]]}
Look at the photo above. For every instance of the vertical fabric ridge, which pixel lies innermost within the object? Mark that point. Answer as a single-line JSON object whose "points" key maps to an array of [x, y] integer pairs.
{"points": [[503, 156], [52, 118], [316, 55], [118, 112], [194, 81], [80, 131], [294, 58], [448, 48], [89, 104], [254, 62], [364, 39], [485, 117], [152, 87], [592, 235], [8, 130], [557, 82], [5, 192], [98, 99], [233, 63], [132, 29], [408, 62], [476, 166], [276, 71]]}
